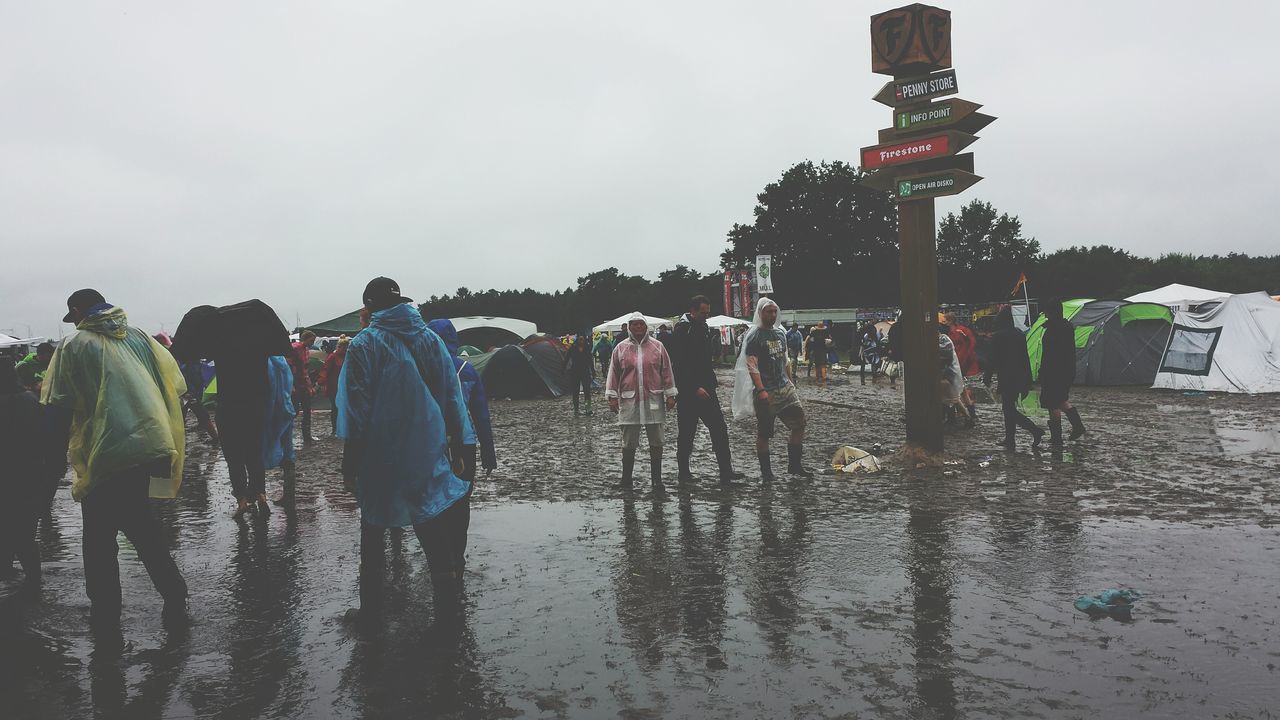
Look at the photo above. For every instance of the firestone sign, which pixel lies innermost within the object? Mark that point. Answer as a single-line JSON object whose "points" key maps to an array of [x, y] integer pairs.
{"points": [[882, 155]]}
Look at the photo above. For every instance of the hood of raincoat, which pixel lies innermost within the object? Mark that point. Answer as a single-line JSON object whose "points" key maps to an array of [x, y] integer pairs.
{"points": [[446, 331], [742, 403], [637, 316], [403, 320], [111, 322]]}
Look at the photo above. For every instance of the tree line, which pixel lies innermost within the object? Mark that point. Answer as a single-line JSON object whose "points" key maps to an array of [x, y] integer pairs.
{"points": [[834, 244]]}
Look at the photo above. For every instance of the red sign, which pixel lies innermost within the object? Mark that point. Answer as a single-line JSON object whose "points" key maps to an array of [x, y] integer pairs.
{"points": [[878, 156], [744, 282], [728, 293]]}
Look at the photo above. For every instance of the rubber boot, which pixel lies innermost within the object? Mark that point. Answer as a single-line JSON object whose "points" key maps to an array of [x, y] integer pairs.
{"points": [[1037, 435], [1055, 431], [766, 470], [1077, 425], [725, 460], [655, 469], [575, 405], [288, 483], [795, 462], [684, 475], [628, 465], [447, 599]]}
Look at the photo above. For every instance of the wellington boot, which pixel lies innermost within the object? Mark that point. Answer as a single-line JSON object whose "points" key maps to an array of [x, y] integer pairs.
{"points": [[795, 462]]}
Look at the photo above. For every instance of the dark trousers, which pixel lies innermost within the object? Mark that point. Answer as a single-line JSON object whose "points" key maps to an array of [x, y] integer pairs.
{"points": [[242, 431], [582, 384], [1013, 417], [690, 410], [120, 504], [302, 399], [19, 517], [436, 536]]}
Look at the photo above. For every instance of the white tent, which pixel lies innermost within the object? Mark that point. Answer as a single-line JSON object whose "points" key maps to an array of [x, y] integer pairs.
{"points": [[618, 323], [1178, 297], [10, 341], [719, 321], [523, 328], [1233, 346]]}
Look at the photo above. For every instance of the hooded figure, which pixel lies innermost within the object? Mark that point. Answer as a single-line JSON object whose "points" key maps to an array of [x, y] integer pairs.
{"points": [[1009, 361], [23, 446], [277, 442], [126, 441], [1058, 372], [762, 389], [402, 412], [640, 389], [951, 384]]}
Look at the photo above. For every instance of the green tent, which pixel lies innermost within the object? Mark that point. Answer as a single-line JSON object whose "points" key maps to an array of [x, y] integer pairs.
{"points": [[470, 351], [348, 324], [1117, 342]]}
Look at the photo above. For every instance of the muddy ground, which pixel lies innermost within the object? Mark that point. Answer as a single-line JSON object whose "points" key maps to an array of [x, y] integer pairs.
{"points": [[914, 593]]}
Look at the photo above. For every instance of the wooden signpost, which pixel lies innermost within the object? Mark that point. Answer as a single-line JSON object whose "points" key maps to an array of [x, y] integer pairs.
{"points": [[918, 159]]}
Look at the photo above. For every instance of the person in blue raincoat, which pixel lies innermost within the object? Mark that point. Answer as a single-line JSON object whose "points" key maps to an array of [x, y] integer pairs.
{"points": [[277, 443], [478, 407], [404, 420]]}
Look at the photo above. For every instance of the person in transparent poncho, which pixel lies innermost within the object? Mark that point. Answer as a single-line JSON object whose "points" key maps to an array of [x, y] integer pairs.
{"points": [[763, 390], [640, 389]]}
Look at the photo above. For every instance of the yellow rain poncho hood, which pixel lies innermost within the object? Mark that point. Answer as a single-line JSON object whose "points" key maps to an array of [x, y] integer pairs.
{"points": [[122, 389]]}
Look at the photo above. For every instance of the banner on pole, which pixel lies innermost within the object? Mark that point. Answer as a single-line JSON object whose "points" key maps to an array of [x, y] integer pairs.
{"points": [[744, 286], [764, 274], [728, 293]]}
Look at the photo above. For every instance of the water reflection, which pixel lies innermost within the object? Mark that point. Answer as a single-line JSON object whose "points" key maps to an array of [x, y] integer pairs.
{"points": [[775, 569], [928, 541]]}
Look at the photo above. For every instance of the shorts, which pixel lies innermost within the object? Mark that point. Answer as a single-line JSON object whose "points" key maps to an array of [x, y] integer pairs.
{"points": [[783, 404], [631, 436]]}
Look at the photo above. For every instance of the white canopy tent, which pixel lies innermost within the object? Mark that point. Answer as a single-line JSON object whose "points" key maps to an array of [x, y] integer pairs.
{"points": [[617, 324], [10, 341], [1178, 297], [720, 321], [1233, 346], [523, 328]]}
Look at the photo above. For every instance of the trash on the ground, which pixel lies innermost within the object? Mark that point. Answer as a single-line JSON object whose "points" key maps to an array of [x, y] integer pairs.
{"points": [[1193, 393], [953, 463], [948, 473], [851, 459], [1116, 603], [876, 448]]}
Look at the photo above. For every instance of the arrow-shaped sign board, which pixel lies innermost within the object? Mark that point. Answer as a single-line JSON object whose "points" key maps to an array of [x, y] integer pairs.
{"points": [[886, 180], [932, 185], [918, 89], [953, 114], [926, 147]]}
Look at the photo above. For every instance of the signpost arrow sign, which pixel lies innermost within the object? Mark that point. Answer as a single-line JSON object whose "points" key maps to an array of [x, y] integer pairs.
{"points": [[932, 185], [926, 147], [886, 179], [953, 114], [918, 89]]}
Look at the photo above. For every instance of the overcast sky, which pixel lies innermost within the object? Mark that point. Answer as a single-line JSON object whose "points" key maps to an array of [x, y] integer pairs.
{"points": [[180, 153]]}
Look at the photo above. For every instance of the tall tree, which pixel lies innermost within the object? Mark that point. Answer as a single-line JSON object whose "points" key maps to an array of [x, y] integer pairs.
{"points": [[980, 253], [833, 241]]}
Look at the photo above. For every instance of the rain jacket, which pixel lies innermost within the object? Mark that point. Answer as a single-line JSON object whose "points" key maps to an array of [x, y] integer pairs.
{"points": [[949, 365], [299, 356], [640, 377], [1009, 359], [966, 349], [330, 373], [277, 443], [1057, 362], [30, 373], [472, 390], [399, 404], [123, 391]]}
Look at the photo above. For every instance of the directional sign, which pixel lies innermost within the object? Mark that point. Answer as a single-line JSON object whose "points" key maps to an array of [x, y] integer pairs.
{"points": [[886, 180], [937, 145], [953, 114], [918, 89], [947, 182]]}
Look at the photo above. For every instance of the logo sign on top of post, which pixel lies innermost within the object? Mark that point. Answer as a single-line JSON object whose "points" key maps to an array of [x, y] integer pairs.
{"points": [[911, 40]]}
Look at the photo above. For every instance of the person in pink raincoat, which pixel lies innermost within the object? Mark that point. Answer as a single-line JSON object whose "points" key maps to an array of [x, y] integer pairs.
{"points": [[640, 389]]}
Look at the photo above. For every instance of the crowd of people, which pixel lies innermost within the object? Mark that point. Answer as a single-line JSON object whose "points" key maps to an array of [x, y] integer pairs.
{"points": [[413, 417]]}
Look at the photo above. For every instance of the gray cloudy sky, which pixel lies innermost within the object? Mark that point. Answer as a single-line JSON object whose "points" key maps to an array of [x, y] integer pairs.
{"points": [[175, 154]]}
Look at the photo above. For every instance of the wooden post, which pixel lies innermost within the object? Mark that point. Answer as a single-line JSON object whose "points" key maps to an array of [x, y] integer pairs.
{"points": [[918, 273]]}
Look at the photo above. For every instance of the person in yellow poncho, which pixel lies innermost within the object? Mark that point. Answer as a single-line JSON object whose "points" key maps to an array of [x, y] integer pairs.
{"points": [[116, 391]]}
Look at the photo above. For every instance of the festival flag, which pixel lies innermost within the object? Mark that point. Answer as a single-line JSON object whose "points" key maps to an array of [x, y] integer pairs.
{"points": [[1022, 281], [764, 274]]}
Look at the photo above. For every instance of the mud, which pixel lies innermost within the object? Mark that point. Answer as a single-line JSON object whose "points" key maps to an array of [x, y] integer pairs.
{"points": [[913, 593]]}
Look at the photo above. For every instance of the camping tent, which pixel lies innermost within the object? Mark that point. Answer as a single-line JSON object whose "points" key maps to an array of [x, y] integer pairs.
{"points": [[1178, 297], [619, 323], [1233, 346], [10, 341], [533, 369], [719, 321], [477, 330], [1117, 342]]}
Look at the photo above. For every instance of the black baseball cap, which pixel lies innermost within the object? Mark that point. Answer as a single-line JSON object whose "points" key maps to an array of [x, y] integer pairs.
{"points": [[382, 293], [82, 300]]}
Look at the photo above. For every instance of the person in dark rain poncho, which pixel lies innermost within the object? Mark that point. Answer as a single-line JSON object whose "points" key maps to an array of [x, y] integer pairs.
{"points": [[1058, 372], [1010, 362]]}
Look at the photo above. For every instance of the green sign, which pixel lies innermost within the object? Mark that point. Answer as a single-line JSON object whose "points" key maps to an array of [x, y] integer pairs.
{"points": [[931, 185]]}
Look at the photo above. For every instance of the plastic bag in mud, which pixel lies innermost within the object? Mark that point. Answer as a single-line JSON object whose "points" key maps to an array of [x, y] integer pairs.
{"points": [[850, 460]]}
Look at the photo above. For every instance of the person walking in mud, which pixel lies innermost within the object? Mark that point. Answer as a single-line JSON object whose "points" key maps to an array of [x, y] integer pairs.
{"points": [[690, 348], [1058, 372], [762, 389], [409, 443], [579, 366], [303, 389], [1010, 363], [116, 395], [641, 389], [604, 352]]}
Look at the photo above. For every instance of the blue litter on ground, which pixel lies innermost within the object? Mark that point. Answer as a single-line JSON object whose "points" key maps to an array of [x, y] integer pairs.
{"points": [[1116, 603]]}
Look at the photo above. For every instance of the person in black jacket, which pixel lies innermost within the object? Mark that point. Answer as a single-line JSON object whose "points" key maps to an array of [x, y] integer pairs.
{"points": [[1009, 361], [24, 453], [690, 351], [1058, 372]]}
